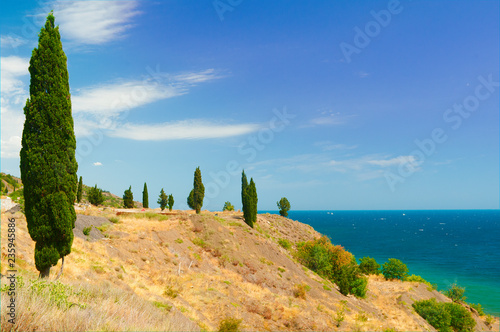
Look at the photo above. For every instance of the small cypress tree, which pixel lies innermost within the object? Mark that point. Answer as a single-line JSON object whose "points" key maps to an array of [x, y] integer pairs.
{"points": [[48, 163], [79, 192], [190, 199], [95, 196], [128, 198], [198, 190], [170, 202], [163, 199], [145, 199]]}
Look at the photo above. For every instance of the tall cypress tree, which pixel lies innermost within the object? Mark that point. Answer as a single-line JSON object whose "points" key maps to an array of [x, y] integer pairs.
{"points": [[252, 193], [198, 190], [48, 164], [247, 200], [145, 199], [79, 192]]}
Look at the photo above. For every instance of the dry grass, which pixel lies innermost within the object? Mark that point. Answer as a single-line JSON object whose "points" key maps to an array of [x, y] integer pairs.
{"points": [[55, 306]]}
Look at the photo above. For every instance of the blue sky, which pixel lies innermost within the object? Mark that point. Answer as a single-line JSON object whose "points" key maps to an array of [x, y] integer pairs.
{"points": [[335, 105]]}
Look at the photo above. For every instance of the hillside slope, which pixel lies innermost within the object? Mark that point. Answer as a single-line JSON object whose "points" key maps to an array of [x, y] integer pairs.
{"points": [[192, 271]]}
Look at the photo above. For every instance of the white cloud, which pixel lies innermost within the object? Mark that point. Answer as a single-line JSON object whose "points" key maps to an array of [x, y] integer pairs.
{"points": [[187, 129], [198, 77], [93, 22], [12, 68], [111, 99], [329, 146], [97, 163], [14, 95], [11, 41], [393, 161]]}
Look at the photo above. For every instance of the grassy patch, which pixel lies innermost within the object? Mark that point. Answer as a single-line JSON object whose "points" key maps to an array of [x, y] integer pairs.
{"points": [[230, 324], [179, 241], [86, 230]]}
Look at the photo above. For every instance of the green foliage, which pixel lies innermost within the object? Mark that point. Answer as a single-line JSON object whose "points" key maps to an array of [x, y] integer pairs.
{"points": [[198, 191], [333, 263], [162, 305], [434, 313], [478, 307], [163, 199], [394, 269], [170, 202], [285, 243], [340, 315], [284, 206], [95, 196], [445, 317], [230, 325], [145, 198], [128, 198], [18, 197], [171, 291], [79, 192], [249, 200], [415, 278], [228, 207], [461, 318], [190, 199], [368, 265], [86, 230], [455, 293], [199, 242], [48, 163]]}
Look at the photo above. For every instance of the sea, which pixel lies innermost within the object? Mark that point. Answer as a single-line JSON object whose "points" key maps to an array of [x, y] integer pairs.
{"points": [[442, 246]]}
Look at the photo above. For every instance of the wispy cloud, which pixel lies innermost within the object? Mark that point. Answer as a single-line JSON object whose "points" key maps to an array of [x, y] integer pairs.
{"points": [[327, 118], [188, 129], [198, 77], [93, 22], [11, 41], [97, 163], [362, 168], [330, 146], [14, 94], [113, 98]]}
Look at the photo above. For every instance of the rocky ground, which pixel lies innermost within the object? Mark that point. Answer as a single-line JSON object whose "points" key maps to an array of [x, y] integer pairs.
{"points": [[212, 266]]}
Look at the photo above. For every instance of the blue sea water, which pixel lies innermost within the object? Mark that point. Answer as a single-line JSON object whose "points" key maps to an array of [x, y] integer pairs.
{"points": [[442, 246]]}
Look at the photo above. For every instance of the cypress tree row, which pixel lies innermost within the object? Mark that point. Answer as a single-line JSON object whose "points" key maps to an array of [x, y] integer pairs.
{"points": [[128, 198], [48, 164], [145, 199], [198, 191], [79, 192], [249, 200]]}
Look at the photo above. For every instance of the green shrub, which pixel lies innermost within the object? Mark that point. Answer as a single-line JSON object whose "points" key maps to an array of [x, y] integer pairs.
{"points": [[478, 307], [286, 244], [368, 265], [86, 230], [230, 325], [228, 207], [394, 269], [445, 317], [434, 313], [455, 293], [415, 278], [333, 263], [461, 319], [114, 220]]}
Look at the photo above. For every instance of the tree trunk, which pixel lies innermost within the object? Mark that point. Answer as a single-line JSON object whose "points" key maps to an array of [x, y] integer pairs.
{"points": [[45, 273], [60, 271]]}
